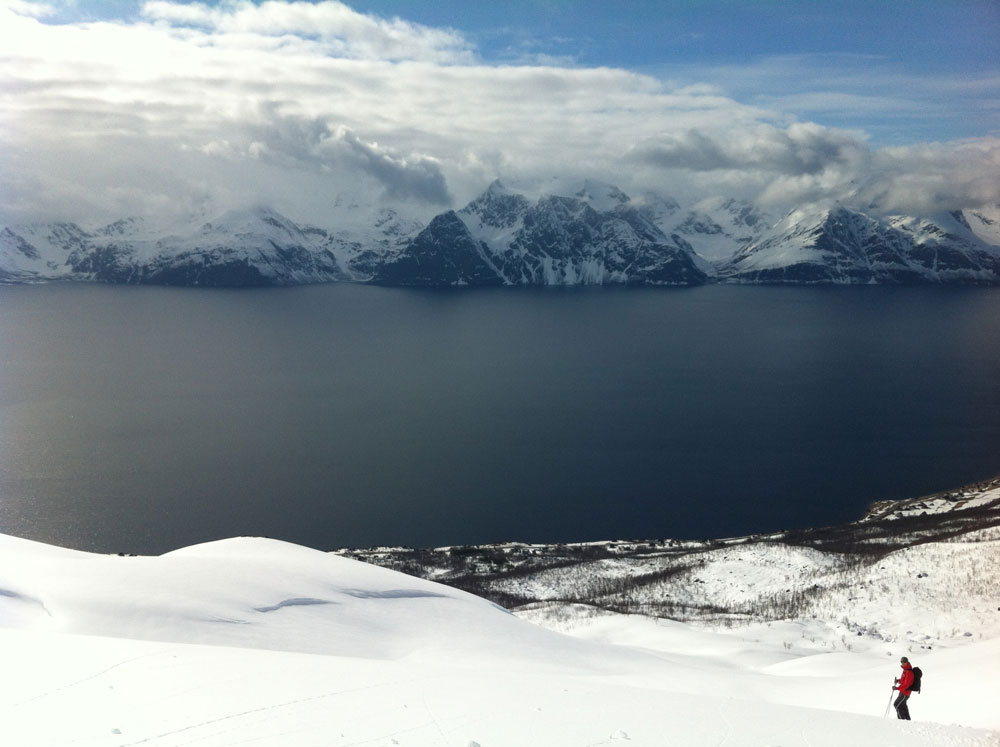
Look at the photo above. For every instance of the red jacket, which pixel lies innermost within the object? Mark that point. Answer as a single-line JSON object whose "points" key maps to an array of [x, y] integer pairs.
{"points": [[905, 679]]}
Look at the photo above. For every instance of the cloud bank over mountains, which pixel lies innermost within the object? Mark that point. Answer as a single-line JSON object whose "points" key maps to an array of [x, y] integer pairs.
{"points": [[191, 107]]}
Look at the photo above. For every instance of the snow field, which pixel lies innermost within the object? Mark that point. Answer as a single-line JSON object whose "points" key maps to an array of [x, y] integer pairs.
{"points": [[119, 692], [259, 642]]}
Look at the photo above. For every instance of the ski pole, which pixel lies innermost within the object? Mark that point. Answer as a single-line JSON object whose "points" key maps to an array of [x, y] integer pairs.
{"points": [[888, 705]]}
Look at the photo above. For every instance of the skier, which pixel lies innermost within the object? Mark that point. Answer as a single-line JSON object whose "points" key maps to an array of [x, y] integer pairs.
{"points": [[902, 684]]}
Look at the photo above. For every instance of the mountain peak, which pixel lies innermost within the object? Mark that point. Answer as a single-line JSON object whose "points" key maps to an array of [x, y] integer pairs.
{"points": [[497, 187], [601, 196], [255, 219]]}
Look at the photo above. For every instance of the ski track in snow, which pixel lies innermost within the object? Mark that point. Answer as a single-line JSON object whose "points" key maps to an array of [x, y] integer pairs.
{"points": [[89, 678], [270, 708]]}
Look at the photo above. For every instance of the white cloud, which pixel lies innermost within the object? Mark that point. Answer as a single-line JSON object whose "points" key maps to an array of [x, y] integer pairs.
{"points": [[934, 176], [350, 33], [805, 162], [294, 103], [30, 9]]}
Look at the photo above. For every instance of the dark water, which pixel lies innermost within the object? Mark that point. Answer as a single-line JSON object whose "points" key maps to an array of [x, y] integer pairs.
{"points": [[144, 419]]}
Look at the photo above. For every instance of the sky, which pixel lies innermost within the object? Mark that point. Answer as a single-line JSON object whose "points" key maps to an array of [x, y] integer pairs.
{"points": [[171, 109]]}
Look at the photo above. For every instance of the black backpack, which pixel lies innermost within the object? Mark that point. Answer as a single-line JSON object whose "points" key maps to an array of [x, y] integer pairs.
{"points": [[917, 674]]}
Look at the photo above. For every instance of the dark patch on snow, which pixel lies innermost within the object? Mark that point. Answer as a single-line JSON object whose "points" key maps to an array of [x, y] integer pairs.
{"points": [[391, 594], [299, 602], [24, 598]]}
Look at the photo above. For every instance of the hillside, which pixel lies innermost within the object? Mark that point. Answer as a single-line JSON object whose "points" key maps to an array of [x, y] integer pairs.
{"points": [[928, 557], [256, 641]]}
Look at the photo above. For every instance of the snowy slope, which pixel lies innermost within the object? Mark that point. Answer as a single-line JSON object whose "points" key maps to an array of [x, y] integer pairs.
{"points": [[39, 252], [255, 641], [839, 245], [717, 227], [985, 223], [252, 593]]}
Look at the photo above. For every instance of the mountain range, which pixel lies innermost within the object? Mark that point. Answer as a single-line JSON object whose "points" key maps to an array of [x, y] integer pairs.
{"points": [[587, 233]]}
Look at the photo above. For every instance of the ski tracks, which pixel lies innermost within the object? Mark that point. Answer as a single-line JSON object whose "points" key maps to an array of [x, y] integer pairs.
{"points": [[88, 678], [433, 718], [283, 705], [729, 728]]}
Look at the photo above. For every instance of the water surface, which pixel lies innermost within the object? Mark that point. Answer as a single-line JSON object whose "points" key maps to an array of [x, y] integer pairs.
{"points": [[144, 419]]}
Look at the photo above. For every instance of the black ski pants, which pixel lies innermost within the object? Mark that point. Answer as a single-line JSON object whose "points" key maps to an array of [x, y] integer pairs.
{"points": [[902, 711]]}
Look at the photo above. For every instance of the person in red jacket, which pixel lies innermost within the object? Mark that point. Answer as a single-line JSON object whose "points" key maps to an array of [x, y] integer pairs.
{"points": [[903, 683]]}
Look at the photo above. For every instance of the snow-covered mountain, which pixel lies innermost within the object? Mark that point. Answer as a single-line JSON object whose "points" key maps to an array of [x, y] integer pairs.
{"points": [[841, 245], [257, 641], [594, 236], [717, 226], [237, 248], [984, 223], [582, 233]]}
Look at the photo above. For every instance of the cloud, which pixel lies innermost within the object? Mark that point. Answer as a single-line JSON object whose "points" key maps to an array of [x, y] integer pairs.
{"points": [[781, 165], [290, 141], [416, 177], [26, 8], [805, 162], [345, 31], [934, 176], [294, 142], [801, 148], [293, 104], [287, 140], [924, 178]]}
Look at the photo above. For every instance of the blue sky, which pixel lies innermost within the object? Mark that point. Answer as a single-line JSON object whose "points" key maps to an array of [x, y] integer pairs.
{"points": [[892, 102], [781, 47], [955, 35], [941, 56]]}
